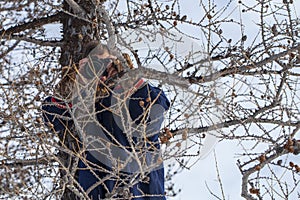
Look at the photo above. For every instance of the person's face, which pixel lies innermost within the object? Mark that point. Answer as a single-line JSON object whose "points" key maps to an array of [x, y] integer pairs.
{"points": [[110, 69]]}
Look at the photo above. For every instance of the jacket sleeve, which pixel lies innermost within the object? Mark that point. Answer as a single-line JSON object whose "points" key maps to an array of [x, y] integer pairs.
{"points": [[145, 96], [152, 102], [56, 113]]}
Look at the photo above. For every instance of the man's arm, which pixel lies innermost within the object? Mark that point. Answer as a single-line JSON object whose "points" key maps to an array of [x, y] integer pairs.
{"points": [[145, 97], [147, 106], [56, 113]]}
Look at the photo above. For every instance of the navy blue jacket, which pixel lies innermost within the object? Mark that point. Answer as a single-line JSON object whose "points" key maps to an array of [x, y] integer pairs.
{"points": [[56, 113]]}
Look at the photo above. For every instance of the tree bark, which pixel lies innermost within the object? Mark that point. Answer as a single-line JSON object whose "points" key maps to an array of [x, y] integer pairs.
{"points": [[78, 29]]}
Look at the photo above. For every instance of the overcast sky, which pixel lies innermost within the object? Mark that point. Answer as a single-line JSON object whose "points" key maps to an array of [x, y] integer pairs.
{"points": [[194, 182]]}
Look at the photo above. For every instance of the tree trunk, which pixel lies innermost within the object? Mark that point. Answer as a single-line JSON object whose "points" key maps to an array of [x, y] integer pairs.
{"points": [[77, 31]]}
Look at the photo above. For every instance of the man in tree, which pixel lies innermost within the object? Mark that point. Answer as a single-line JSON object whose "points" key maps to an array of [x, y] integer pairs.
{"points": [[118, 124]]}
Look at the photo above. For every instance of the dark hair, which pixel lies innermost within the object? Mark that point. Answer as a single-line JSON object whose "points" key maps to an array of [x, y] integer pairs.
{"points": [[94, 47]]}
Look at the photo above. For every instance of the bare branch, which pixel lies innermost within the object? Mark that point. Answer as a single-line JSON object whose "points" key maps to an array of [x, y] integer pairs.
{"points": [[76, 8], [35, 23]]}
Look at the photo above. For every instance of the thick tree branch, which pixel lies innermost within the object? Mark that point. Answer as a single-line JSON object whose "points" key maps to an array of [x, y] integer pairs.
{"points": [[164, 77], [185, 82], [30, 25], [53, 43], [111, 43], [234, 122], [240, 70], [76, 8], [29, 162], [247, 173], [9, 49], [265, 160]]}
